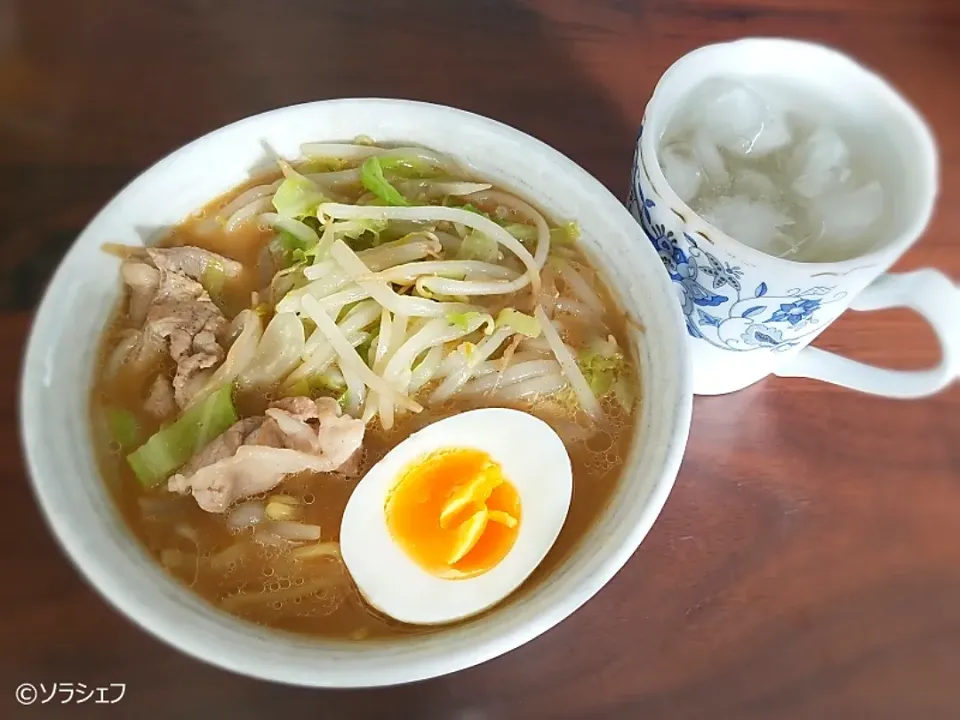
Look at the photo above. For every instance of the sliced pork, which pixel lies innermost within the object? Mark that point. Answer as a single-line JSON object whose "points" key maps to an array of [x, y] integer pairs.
{"points": [[143, 281], [191, 330], [317, 427], [254, 455], [193, 262], [223, 446], [177, 313], [251, 470], [160, 402]]}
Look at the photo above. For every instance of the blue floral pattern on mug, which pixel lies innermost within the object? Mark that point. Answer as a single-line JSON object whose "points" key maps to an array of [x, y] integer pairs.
{"points": [[716, 306]]}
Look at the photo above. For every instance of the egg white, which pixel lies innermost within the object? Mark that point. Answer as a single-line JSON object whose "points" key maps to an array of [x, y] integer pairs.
{"points": [[534, 460]]}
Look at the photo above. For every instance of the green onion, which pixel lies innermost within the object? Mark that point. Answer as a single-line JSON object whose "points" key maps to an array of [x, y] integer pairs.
{"points": [[290, 242], [521, 232], [407, 167], [566, 234], [315, 385], [450, 274], [604, 368], [327, 382], [297, 195], [296, 252], [355, 229], [214, 278], [476, 246], [299, 257], [300, 388], [123, 427], [519, 322], [461, 320], [371, 175], [172, 446], [323, 164], [363, 349]]}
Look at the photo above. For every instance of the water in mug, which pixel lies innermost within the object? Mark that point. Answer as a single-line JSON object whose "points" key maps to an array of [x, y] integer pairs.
{"points": [[762, 163]]}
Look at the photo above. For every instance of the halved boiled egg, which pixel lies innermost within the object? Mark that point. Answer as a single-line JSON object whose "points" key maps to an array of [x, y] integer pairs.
{"points": [[457, 516]]}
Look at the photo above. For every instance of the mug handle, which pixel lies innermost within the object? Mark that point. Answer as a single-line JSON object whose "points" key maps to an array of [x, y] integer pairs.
{"points": [[930, 293]]}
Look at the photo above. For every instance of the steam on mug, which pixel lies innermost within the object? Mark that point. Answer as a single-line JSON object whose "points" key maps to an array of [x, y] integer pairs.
{"points": [[779, 180]]}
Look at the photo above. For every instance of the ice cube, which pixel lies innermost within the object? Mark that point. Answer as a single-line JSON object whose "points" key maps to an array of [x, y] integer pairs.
{"points": [[682, 171], [755, 185], [752, 222], [708, 155], [822, 163], [849, 215], [736, 117]]}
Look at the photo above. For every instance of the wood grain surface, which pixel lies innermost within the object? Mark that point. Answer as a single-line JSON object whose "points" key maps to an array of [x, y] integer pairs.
{"points": [[807, 563]]}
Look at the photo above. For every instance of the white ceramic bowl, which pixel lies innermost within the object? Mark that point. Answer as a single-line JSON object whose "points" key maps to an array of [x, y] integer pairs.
{"points": [[62, 349]]}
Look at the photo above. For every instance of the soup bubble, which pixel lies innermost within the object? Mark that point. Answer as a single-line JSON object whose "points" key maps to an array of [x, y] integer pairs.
{"points": [[599, 442]]}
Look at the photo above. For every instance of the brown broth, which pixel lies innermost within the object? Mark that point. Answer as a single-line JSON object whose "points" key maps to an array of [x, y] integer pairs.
{"points": [[195, 546]]}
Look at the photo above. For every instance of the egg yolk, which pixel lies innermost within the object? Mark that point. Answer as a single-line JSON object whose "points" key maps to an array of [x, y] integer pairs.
{"points": [[454, 513]]}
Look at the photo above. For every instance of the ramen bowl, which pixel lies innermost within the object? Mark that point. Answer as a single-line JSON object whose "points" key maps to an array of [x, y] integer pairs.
{"points": [[62, 353]]}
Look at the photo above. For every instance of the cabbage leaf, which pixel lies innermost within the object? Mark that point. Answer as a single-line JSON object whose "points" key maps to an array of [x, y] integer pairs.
{"points": [[371, 176]]}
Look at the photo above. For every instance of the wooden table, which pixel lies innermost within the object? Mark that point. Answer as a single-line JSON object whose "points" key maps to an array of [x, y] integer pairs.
{"points": [[807, 564]]}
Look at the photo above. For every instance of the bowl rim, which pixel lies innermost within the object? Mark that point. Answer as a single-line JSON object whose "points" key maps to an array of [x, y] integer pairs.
{"points": [[107, 582]]}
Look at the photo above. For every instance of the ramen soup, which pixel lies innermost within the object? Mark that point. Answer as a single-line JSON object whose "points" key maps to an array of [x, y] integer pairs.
{"points": [[363, 396]]}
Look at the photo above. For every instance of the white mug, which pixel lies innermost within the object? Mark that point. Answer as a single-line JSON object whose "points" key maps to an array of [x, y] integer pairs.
{"points": [[749, 314]]}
